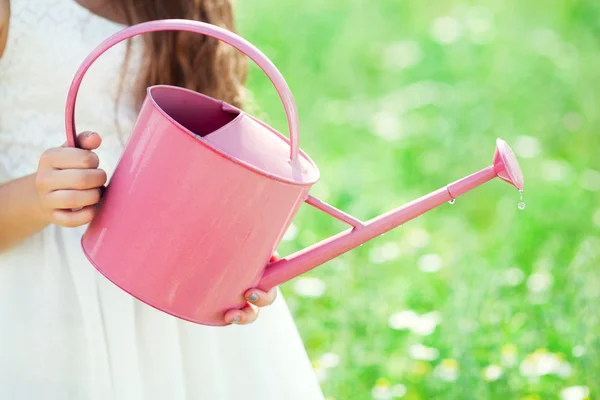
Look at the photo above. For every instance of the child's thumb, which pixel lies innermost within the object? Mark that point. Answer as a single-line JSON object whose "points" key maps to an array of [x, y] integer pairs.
{"points": [[87, 140]]}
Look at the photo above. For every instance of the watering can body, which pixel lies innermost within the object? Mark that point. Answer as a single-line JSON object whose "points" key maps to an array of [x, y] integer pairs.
{"points": [[183, 226], [204, 192]]}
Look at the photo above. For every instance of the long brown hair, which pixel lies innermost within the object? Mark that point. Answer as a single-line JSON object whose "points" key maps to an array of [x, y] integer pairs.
{"points": [[188, 60]]}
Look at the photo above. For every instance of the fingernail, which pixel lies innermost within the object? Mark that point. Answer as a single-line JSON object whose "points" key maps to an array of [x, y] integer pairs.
{"points": [[253, 297], [236, 319]]}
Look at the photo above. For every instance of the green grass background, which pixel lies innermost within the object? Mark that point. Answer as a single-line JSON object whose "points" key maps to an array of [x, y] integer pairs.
{"points": [[526, 71]]}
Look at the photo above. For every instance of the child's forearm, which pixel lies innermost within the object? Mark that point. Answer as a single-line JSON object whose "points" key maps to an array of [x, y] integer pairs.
{"points": [[21, 214]]}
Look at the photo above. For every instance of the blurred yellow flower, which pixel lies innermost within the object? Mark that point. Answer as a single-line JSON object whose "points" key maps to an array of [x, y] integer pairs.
{"points": [[450, 363], [447, 370], [509, 354], [383, 382], [531, 397], [421, 368], [381, 390]]}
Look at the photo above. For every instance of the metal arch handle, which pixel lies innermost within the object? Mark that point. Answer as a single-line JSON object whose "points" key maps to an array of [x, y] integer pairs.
{"points": [[192, 26]]}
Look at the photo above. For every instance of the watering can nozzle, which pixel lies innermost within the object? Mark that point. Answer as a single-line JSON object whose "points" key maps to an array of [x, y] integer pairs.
{"points": [[506, 165]]}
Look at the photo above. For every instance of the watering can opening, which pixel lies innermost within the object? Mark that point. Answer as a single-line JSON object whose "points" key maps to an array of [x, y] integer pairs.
{"points": [[198, 114], [233, 133]]}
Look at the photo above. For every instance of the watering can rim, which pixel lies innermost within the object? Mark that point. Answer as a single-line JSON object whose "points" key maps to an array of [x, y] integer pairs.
{"points": [[223, 153]]}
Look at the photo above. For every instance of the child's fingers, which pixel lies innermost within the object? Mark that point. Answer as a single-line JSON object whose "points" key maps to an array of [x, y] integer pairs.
{"points": [[246, 315], [71, 199], [260, 298], [72, 219], [72, 179], [69, 158]]}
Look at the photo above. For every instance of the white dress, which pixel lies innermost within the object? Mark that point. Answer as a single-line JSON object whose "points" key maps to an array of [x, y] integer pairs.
{"points": [[65, 331]]}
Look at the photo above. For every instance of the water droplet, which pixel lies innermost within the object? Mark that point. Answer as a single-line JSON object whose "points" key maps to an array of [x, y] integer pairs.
{"points": [[452, 201], [521, 204]]}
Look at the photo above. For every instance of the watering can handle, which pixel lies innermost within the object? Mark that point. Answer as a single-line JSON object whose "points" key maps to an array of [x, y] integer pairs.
{"points": [[195, 27]]}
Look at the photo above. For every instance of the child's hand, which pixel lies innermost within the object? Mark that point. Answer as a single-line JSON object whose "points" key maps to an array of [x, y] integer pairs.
{"points": [[256, 298], [69, 182]]}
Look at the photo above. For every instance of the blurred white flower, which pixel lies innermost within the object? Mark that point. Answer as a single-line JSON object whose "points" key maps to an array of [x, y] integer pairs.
{"points": [[386, 125], [546, 42], [541, 362], [467, 325], [556, 171], [381, 390], [597, 217], [417, 237], [401, 55], [420, 352], [329, 360], [572, 121], [291, 233], [421, 93], [564, 370], [492, 372], [445, 30], [578, 351], [309, 287], [385, 252], [527, 146], [575, 393], [398, 391], [434, 316], [403, 319], [321, 372], [430, 263], [539, 281], [423, 325], [513, 276], [480, 24], [590, 180], [447, 370]]}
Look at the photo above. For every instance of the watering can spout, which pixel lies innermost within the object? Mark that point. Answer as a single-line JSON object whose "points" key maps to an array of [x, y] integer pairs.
{"points": [[505, 166]]}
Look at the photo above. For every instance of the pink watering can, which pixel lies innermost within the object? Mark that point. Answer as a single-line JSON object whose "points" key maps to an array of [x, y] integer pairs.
{"points": [[204, 192]]}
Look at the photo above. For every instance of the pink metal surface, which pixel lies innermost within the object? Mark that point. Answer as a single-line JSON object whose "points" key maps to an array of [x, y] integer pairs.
{"points": [[470, 182], [204, 192], [182, 226], [334, 212]]}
